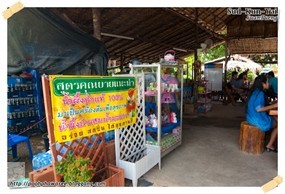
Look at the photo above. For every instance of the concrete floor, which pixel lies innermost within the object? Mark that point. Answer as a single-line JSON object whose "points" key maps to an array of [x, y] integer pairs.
{"points": [[37, 144], [209, 155]]}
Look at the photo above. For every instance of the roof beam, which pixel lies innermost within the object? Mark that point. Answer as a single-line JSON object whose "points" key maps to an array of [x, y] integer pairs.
{"points": [[221, 37]]}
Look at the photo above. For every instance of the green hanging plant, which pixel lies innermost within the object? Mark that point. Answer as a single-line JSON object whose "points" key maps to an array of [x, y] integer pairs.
{"points": [[75, 169]]}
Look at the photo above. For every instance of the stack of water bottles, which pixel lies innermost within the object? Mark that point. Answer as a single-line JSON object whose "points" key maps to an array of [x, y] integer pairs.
{"points": [[109, 135], [44, 158], [41, 160]]}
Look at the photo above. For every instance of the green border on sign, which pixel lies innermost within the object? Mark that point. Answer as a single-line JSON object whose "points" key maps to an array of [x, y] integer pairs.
{"points": [[91, 85]]}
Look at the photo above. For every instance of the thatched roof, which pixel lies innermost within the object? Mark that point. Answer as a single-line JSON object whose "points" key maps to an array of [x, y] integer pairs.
{"points": [[146, 33], [253, 45], [252, 37]]}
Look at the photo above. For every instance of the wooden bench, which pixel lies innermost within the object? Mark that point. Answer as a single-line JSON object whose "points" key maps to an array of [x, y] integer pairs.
{"points": [[251, 139]]}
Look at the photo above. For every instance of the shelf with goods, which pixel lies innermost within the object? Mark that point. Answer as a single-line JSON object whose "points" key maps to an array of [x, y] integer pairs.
{"points": [[113, 70], [204, 100], [24, 104], [163, 104]]}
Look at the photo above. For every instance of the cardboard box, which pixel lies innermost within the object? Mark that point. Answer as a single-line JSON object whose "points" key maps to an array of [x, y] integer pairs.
{"points": [[189, 108]]}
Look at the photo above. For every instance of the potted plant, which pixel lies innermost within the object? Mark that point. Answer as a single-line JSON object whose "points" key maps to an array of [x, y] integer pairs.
{"points": [[75, 169]]}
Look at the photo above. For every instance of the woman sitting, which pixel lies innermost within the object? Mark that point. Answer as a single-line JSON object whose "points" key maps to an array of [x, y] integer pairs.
{"points": [[256, 110]]}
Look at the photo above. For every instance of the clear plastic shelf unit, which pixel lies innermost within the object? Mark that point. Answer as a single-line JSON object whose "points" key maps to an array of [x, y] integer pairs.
{"points": [[163, 104]]}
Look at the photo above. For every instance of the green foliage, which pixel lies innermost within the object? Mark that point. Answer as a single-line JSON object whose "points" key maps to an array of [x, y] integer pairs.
{"points": [[265, 59], [229, 74], [251, 76], [214, 53], [223, 32], [219, 51], [75, 169], [190, 61]]}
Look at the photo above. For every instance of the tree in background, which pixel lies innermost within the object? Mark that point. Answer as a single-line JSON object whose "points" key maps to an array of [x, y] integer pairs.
{"points": [[219, 51], [189, 61], [211, 54]]}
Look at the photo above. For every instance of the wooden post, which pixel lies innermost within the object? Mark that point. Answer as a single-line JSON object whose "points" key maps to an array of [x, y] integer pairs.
{"points": [[48, 111], [196, 46], [96, 15], [194, 72], [196, 34], [226, 62], [122, 62]]}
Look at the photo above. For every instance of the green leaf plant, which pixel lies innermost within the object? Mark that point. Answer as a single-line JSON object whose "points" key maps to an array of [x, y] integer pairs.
{"points": [[75, 169]]}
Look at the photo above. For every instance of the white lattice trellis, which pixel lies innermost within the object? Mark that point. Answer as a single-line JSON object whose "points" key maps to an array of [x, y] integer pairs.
{"points": [[132, 152]]}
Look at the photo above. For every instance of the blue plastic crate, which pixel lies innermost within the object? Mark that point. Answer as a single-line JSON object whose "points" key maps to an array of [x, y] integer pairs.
{"points": [[15, 122], [13, 108], [25, 102], [26, 80], [25, 107], [31, 120], [12, 81], [22, 121], [31, 93], [14, 94]]}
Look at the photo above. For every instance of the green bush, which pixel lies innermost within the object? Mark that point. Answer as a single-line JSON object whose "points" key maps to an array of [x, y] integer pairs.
{"points": [[75, 169]]}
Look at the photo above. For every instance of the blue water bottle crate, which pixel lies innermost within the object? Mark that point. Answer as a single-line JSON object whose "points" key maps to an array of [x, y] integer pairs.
{"points": [[14, 94], [13, 80], [13, 108], [26, 80], [25, 107], [41, 160], [32, 120], [29, 94], [15, 122]]}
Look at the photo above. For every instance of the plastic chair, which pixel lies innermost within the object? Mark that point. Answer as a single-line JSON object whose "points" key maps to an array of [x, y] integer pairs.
{"points": [[14, 140]]}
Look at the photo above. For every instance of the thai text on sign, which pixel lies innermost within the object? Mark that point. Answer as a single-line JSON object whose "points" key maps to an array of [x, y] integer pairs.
{"points": [[88, 105]]}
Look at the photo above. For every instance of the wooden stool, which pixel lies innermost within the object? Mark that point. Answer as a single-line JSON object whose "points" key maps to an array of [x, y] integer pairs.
{"points": [[251, 138]]}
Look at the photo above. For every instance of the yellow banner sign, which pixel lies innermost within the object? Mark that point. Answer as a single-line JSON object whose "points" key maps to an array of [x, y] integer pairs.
{"points": [[88, 105]]}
